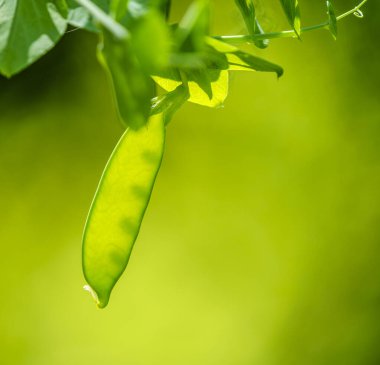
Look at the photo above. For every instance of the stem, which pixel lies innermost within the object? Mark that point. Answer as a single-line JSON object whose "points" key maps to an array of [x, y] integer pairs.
{"points": [[238, 39], [352, 11], [104, 19]]}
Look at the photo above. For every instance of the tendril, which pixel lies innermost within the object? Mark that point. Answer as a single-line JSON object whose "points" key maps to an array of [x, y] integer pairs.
{"points": [[358, 13]]}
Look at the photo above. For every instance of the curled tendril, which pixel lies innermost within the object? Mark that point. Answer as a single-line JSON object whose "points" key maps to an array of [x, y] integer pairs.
{"points": [[358, 13]]}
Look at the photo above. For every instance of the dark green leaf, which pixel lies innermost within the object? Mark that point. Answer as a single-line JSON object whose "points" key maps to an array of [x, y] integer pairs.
{"points": [[150, 41], [133, 88], [28, 30], [333, 27], [247, 9], [261, 43], [118, 8], [208, 58], [165, 6], [242, 61], [292, 12], [193, 27]]}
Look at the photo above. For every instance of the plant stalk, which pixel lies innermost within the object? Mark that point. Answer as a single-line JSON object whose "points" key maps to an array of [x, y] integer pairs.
{"points": [[105, 20], [239, 39]]}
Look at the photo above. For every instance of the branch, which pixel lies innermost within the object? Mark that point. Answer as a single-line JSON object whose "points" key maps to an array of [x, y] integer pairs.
{"points": [[237, 39]]}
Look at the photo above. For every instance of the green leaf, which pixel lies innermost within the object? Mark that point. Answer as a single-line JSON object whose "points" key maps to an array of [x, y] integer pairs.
{"points": [[148, 32], [133, 88], [170, 102], [292, 12], [242, 61], [207, 87], [119, 206], [200, 67], [118, 8], [261, 43], [28, 30], [138, 8], [150, 41], [164, 7], [247, 9], [333, 26], [193, 28], [80, 17]]}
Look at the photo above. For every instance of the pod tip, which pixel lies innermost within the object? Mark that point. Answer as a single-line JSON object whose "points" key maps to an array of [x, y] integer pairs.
{"points": [[93, 294]]}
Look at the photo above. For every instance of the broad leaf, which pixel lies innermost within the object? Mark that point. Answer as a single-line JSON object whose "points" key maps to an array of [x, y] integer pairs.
{"points": [[333, 27], [292, 12], [247, 9], [133, 88], [28, 29], [207, 87]]}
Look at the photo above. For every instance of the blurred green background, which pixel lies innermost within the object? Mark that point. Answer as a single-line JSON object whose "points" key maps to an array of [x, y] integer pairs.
{"points": [[261, 245]]}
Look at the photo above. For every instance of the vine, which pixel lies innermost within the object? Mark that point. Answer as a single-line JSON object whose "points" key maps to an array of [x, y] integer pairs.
{"points": [[154, 68]]}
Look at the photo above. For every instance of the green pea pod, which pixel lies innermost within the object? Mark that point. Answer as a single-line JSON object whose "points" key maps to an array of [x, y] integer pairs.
{"points": [[119, 205]]}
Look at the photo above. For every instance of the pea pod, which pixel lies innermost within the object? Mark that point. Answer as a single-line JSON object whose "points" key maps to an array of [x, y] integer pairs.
{"points": [[119, 205]]}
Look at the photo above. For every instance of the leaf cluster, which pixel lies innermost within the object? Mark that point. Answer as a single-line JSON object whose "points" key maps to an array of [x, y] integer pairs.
{"points": [[140, 49]]}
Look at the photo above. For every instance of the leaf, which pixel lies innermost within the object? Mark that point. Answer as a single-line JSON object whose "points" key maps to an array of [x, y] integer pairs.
{"points": [[247, 9], [170, 102], [333, 26], [200, 67], [207, 87], [164, 6], [28, 30], [150, 41], [292, 12], [193, 27], [242, 61], [138, 8], [133, 88], [80, 17], [148, 32], [119, 206], [118, 8], [264, 43]]}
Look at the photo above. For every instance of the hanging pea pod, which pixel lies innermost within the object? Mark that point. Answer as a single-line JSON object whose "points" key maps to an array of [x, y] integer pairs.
{"points": [[119, 205]]}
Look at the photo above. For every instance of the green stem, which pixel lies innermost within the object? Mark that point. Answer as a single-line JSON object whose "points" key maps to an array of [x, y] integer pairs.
{"points": [[352, 11], [238, 39], [104, 19]]}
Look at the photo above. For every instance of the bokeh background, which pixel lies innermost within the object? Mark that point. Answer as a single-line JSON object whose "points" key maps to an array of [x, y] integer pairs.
{"points": [[261, 245]]}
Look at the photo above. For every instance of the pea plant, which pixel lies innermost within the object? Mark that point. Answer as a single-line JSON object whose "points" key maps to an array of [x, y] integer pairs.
{"points": [[154, 66]]}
